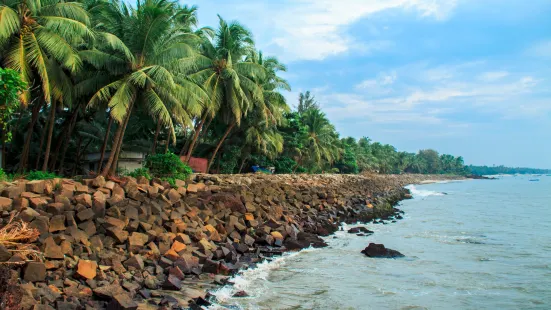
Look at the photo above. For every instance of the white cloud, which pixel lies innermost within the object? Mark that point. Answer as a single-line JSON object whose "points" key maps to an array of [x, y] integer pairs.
{"points": [[493, 76], [316, 29], [415, 99]]}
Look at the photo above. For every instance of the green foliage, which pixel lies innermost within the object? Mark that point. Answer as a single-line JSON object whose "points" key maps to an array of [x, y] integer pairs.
{"points": [[11, 86], [167, 165], [140, 172], [3, 175], [41, 175]]}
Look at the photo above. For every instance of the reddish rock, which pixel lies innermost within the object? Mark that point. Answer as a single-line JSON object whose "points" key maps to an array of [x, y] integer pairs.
{"points": [[87, 269], [172, 283], [52, 250], [98, 182], [118, 234], [38, 202], [84, 199], [85, 215], [135, 261]]}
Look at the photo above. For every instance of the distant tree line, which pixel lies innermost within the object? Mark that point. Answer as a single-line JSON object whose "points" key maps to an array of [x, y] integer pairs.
{"points": [[487, 170]]}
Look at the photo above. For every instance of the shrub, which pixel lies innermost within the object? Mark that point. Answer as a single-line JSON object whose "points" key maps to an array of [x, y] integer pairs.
{"points": [[167, 165], [140, 172], [3, 175], [41, 175]]}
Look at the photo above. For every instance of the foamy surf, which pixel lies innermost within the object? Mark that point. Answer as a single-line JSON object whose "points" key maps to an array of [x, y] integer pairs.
{"points": [[422, 193], [250, 281]]}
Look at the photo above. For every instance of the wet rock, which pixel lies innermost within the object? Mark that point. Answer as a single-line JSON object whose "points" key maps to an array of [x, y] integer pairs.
{"points": [[379, 250], [241, 294], [362, 230], [172, 283]]}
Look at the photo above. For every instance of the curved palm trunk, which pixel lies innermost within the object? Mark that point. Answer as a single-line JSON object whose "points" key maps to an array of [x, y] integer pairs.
{"points": [[23, 163], [111, 166], [61, 137], [155, 139], [116, 150], [67, 142], [195, 137], [42, 138], [51, 122], [104, 145], [219, 145], [114, 147]]}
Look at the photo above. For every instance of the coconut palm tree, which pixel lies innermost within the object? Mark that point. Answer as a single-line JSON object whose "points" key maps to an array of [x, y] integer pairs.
{"points": [[322, 143], [37, 39], [144, 66], [228, 79]]}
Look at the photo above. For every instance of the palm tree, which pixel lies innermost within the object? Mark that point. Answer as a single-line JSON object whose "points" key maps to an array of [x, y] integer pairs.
{"points": [[37, 39], [145, 69], [227, 78], [322, 141]]}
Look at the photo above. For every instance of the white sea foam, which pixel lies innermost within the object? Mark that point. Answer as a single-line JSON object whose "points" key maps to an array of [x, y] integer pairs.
{"points": [[250, 280], [422, 192]]}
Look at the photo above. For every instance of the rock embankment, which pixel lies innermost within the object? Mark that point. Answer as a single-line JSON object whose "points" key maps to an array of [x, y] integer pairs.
{"points": [[142, 244]]}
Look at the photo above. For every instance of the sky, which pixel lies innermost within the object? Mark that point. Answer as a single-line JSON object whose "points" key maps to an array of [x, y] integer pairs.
{"points": [[464, 77]]}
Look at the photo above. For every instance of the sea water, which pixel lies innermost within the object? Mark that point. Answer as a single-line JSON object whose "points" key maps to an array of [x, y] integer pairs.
{"points": [[477, 244]]}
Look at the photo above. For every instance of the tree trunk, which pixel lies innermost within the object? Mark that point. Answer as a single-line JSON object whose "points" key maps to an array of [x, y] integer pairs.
{"points": [[117, 145], [219, 145], [104, 145], [206, 128], [157, 131], [42, 138], [119, 148], [114, 147], [78, 155], [23, 163], [167, 143], [51, 123], [67, 142], [194, 140], [61, 137], [242, 164]]}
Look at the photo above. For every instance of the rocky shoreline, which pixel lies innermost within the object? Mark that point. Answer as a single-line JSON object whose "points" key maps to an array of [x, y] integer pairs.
{"points": [[139, 244]]}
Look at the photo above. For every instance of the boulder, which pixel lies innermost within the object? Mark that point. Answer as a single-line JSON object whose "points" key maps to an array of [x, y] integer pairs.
{"points": [[379, 250]]}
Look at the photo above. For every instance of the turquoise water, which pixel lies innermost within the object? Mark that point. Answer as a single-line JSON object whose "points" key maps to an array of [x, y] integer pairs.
{"points": [[482, 245]]}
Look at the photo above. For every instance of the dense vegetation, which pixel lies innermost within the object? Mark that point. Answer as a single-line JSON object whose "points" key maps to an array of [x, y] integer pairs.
{"points": [[487, 170], [103, 76]]}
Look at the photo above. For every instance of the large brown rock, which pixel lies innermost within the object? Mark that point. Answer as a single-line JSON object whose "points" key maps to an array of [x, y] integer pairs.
{"points": [[36, 186], [5, 204]]}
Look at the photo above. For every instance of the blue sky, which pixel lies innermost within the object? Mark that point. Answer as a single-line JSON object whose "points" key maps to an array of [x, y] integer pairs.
{"points": [[465, 77]]}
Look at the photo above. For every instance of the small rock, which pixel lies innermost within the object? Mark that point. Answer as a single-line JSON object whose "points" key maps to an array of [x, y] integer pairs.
{"points": [[87, 269], [122, 302]]}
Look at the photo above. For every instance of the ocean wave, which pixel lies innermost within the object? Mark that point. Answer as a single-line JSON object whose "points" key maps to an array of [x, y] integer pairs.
{"points": [[248, 280], [423, 192]]}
